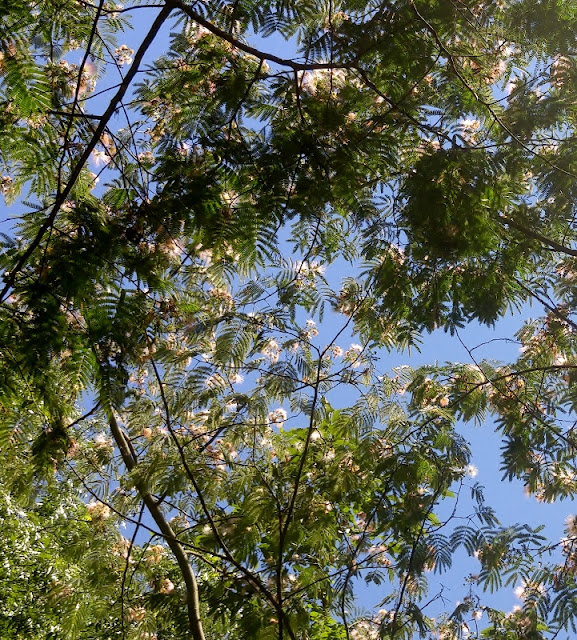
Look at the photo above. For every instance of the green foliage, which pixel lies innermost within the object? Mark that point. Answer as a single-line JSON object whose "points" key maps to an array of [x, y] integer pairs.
{"points": [[180, 415], [452, 200]]}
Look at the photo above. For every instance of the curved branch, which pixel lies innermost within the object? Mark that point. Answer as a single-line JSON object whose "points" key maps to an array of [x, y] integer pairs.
{"points": [[192, 597], [257, 53]]}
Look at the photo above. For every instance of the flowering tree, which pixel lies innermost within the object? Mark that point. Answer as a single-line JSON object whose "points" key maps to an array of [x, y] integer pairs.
{"points": [[183, 357]]}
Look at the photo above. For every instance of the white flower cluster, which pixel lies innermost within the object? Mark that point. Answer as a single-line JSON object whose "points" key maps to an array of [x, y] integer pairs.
{"points": [[560, 68], [100, 158], [496, 72], [171, 248], [155, 553], [307, 272], [67, 75], [384, 616], [222, 296], [571, 526], [123, 549], [94, 180], [378, 555], [123, 54], [136, 614], [194, 32], [6, 185], [512, 85], [354, 355], [311, 330], [204, 255], [166, 586], [565, 476], [272, 351], [146, 158], [277, 417], [306, 268], [102, 441], [471, 471], [321, 79], [98, 511], [527, 589], [114, 10], [365, 630], [469, 129]]}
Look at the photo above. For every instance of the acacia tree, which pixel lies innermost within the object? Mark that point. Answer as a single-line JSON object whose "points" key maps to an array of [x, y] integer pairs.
{"points": [[182, 354]]}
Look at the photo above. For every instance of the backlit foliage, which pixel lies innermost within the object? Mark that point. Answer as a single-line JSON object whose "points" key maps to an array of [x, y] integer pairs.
{"points": [[220, 221]]}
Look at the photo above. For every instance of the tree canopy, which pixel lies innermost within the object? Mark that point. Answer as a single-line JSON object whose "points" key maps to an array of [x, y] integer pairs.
{"points": [[221, 215]]}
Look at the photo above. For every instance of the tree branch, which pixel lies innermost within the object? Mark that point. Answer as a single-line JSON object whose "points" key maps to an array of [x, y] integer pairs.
{"points": [[252, 580], [257, 53], [192, 599], [552, 244]]}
